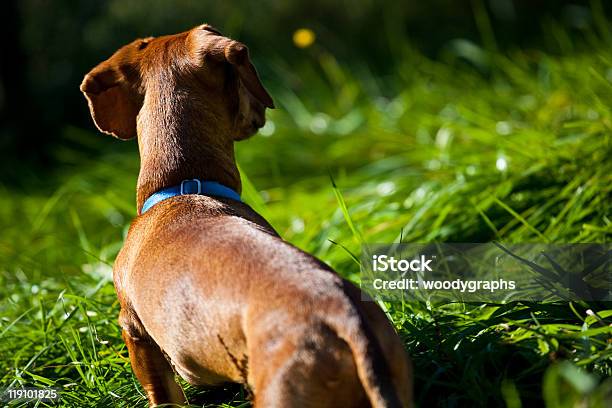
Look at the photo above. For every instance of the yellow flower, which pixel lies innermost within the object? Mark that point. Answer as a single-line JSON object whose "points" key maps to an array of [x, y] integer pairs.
{"points": [[304, 37]]}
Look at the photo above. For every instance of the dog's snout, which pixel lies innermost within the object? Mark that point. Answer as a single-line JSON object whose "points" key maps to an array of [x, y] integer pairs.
{"points": [[258, 122], [258, 114]]}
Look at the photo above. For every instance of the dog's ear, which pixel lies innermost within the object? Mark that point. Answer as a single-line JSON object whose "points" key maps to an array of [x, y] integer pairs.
{"points": [[210, 43], [112, 101], [237, 54]]}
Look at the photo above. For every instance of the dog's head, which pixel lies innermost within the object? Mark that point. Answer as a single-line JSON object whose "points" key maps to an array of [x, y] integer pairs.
{"points": [[200, 67]]}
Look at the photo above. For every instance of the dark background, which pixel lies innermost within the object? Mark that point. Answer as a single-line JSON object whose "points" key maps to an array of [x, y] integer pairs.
{"points": [[48, 46]]}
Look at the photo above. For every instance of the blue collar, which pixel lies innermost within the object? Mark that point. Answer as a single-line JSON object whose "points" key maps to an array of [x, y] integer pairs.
{"points": [[193, 186]]}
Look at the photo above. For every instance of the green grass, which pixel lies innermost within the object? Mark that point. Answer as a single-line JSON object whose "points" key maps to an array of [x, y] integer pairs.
{"points": [[518, 151]]}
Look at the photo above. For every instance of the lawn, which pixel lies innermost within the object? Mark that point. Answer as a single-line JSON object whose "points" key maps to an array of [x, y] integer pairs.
{"points": [[513, 147]]}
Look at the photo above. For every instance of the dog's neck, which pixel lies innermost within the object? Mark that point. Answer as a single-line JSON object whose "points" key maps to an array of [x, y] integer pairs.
{"points": [[180, 139]]}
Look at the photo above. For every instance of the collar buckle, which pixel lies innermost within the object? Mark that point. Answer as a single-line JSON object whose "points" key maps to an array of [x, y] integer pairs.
{"points": [[187, 187]]}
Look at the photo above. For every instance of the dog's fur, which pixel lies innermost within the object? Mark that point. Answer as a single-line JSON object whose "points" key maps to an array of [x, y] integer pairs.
{"points": [[206, 286]]}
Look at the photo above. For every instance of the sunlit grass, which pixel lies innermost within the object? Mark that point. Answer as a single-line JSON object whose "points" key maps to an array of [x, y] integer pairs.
{"points": [[438, 152]]}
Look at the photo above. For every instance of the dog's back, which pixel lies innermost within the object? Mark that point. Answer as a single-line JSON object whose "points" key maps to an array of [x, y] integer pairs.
{"points": [[225, 298]]}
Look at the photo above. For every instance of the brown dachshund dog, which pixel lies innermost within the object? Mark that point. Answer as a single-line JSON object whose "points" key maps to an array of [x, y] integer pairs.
{"points": [[206, 286]]}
